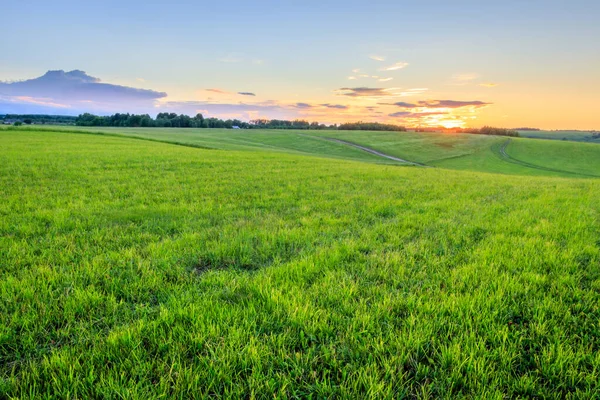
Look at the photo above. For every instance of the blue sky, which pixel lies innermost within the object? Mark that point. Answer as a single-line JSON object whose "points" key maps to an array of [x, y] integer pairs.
{"points": [[532, 62]]}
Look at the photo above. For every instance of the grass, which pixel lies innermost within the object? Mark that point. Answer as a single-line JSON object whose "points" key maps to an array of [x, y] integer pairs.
{"points": [[137, 269], [575, 136], [446, 150]]}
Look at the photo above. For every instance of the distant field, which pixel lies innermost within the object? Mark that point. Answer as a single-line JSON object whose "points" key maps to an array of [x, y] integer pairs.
{"points": [[280, 265], [444, 150], [576, 136]]}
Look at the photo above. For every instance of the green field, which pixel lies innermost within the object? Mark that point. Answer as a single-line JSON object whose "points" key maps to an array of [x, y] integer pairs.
{"points": [[482, 153], [575, 136], [283, 264]]}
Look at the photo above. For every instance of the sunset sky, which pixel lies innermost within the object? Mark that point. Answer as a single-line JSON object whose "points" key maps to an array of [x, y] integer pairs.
{"points": [[452, 63]]}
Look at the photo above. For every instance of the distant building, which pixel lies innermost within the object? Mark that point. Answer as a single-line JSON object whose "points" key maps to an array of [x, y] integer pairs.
{"points": [[235, 127]]}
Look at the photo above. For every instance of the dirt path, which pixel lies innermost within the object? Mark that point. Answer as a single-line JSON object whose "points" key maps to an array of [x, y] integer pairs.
{"points": [[501, 151], [373, 151]]}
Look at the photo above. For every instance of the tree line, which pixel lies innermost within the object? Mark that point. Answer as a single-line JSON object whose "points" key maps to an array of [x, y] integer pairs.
{"points": [[38, 119], [172, 120], [490, 130]]}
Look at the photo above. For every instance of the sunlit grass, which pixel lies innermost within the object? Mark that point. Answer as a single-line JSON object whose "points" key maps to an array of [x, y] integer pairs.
{"points": [[136, 269]]}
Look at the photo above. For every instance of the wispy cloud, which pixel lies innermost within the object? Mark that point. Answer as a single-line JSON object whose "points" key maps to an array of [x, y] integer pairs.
{"points": [[400, 114], [489, 85], [304, 105], [395, 67], [385, 79], [439, 104], [366, 92], [377, 93], [219, 91], [404, 114], [452, 104], [401, 104], [247, 93], [377, 58], [335, 106]]}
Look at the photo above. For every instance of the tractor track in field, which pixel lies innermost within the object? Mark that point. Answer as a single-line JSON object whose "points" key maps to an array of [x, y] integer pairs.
{"points": [[501, 152], [372, 151]]}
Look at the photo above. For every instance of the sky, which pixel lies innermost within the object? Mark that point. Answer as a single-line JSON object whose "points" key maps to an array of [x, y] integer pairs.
{"points": [[452, 63]]}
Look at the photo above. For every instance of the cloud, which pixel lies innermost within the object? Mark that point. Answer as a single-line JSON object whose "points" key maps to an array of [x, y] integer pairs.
{"points": [[39, 101], [76, 91], [142, 80], [351, 78], [401, 114], [377, 58], [336, 106], [395, 67], [246, 93], [376, 93], [405, 114], [365, 92], [219, 91], [326, 105], [385, 79], [489, 85], [356, 70], [439, 104], [401, 104], [34, 105], [452, 104], [66, 87]]}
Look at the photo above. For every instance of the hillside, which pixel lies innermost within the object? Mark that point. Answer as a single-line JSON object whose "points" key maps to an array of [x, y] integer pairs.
{"points": [[496, 154]]}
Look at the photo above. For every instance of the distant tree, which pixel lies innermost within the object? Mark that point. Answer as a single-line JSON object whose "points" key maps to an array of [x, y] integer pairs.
{"points": [[198, 121], [172, 120], [490, 130], [27, 121], [40, 119], [18, 123], [370, 126], [146, 121]]}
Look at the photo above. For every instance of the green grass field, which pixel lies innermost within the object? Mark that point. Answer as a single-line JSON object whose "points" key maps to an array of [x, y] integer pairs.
{"points": [[275, 264], [575, 136], [482, 153]]}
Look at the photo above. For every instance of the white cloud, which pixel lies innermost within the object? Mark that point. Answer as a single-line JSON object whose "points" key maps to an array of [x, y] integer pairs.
{"points": [[395, 67]]}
